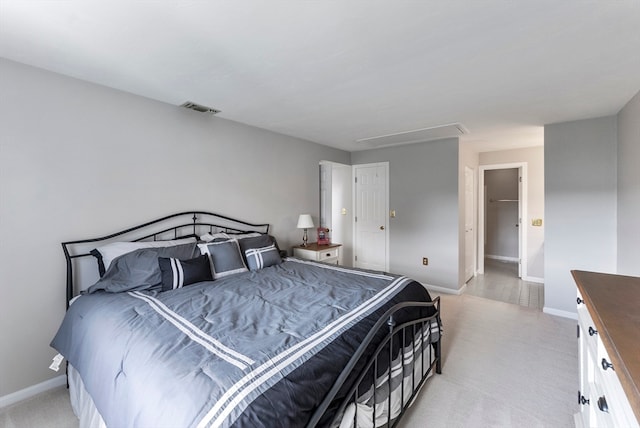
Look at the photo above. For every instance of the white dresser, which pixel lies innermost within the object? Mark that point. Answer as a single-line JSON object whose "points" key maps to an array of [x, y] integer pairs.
{"points": [[320, 253], [609, 350]]}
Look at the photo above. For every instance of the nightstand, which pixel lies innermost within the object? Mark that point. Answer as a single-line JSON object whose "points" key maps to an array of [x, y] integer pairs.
{"points": [[319, 253]]}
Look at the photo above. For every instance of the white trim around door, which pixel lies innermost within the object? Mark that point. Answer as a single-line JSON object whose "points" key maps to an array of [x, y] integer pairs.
{"points": [[522, 214]]}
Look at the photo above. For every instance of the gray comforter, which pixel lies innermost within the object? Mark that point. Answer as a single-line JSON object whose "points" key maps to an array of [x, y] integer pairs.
{"points": [[254, 349]]}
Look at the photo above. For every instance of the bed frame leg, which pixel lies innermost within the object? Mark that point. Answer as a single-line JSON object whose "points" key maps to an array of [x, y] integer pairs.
{"points": [[438, 349]]}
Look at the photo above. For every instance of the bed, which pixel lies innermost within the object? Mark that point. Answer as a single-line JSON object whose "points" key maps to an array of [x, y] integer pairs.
{"points": [[201, 320]]}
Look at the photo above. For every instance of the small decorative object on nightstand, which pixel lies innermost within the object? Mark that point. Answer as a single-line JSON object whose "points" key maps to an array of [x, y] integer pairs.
{"points": [[319, 253], [305, 222], [323, 236]]}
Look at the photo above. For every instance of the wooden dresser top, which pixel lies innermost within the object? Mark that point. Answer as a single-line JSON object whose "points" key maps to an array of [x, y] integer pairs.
{"points": [[614, 304]]}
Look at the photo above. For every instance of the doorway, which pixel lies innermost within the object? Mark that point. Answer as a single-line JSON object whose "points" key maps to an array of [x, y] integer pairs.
{"points": [[502, 218], [469, 221], [335, 206], [503, 262], [502, 211]]}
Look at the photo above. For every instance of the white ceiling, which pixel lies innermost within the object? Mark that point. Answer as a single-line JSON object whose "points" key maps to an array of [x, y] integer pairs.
{"points": [[338, 71]]}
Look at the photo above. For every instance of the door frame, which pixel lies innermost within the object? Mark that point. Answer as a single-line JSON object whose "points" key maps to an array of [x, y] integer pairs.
{"points": [[522, 214], [474, 234], [354, 210], [337, 221]]}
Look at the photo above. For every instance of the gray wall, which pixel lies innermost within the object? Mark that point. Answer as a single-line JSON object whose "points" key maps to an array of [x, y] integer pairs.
{"points": [[629, 188], [423, 189], [580, 205], [80, 160]]}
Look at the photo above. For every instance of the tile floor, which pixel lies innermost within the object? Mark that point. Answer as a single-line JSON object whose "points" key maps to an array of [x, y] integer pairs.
{"points": [[500, 282]]}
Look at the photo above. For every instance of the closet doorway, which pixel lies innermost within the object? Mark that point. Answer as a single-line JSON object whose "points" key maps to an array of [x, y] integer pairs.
{"points": [[501, 216], [335, 206]]}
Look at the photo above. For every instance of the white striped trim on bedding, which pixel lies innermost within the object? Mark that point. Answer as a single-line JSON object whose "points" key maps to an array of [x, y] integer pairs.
{"points": [[260, 375], [178, 273], [194, 333]]}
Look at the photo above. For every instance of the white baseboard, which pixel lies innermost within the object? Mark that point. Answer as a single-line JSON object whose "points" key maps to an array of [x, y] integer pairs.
{"points": [[534, 279], [444, 290], [30, 391], [559, 313], [502, 258]]}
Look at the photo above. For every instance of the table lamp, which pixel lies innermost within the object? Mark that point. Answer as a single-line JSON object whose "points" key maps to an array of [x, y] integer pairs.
{"points": [[305, 222]]}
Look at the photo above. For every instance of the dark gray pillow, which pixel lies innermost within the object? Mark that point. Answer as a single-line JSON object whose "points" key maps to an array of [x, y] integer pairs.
{"points": [[139, 269], [225, 258], [258, 258], [256, 242], [178, 273]]}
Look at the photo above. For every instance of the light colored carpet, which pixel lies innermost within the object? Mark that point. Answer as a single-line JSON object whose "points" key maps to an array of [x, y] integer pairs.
{"points": [[504, 365], [50, 409]]}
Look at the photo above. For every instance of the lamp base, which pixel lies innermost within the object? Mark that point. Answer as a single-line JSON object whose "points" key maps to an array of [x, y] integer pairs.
{"points": [[304, 239]]}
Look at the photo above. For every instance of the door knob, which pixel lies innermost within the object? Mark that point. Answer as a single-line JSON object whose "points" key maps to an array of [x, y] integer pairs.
{"points": [[381, 227]]}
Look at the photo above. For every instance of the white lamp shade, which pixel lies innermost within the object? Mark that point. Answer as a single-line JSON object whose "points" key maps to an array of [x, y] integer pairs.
{"points": [[305, 221]]}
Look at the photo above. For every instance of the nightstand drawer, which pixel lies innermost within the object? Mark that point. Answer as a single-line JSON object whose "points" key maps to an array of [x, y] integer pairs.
{"points": [[319, 253], [328, 254]]}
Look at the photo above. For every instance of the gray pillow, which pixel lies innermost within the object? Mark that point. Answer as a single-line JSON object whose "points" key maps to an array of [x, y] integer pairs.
{"points": [[225, 258], [258, 258], [139, 269], [259, 241], [105, 254]]}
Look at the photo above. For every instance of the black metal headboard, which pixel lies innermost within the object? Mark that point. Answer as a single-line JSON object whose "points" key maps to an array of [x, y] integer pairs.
{"points": [[181, 225]]}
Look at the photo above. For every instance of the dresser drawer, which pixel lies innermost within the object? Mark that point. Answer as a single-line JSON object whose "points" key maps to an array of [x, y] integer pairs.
{"points": [[599, 402], [605, 403]]}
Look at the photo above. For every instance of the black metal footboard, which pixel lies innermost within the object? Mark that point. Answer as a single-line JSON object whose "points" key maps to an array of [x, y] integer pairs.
{"points": [[414, 345]]}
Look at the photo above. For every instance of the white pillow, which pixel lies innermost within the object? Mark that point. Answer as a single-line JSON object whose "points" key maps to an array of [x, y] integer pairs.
{"points": [[209, 237], [115, 249], [243, 235]]}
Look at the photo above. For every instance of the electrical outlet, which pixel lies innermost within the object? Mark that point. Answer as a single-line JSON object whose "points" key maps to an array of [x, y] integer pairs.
{"points": [[425, 261]]}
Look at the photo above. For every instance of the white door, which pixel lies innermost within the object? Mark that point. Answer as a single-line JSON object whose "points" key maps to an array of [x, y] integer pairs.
{"points": [[469, 247], [371, 220]]}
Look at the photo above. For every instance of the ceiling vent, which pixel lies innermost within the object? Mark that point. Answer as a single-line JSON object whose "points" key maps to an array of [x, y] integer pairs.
{"points": [[199, 107], [416, 135]]}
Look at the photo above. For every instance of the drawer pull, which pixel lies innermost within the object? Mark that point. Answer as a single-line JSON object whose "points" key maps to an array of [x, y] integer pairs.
{"points": [[579, 300], [328, 255], [581, 399], [592, 331], [607, 365], [602, 404]]}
